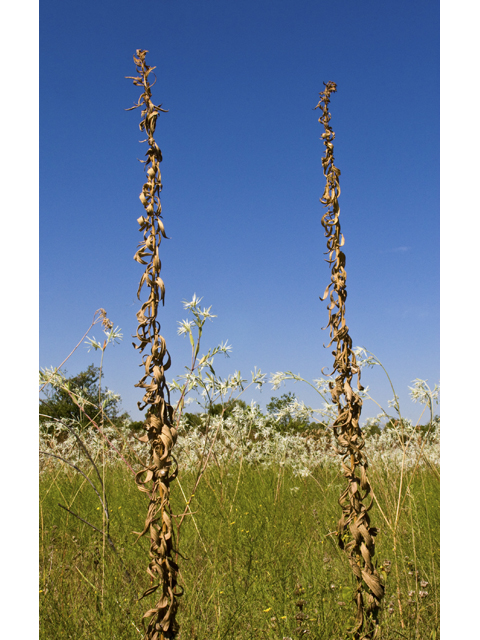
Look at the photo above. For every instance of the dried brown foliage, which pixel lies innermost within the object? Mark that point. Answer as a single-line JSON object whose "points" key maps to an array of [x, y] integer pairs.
{"points": [[355, 535], [160, 433]]}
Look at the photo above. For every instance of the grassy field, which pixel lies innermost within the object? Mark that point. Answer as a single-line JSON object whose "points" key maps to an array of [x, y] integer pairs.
{"points": [[258, 556]]}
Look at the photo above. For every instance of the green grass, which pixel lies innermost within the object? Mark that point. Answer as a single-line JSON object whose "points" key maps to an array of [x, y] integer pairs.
{"points": [[260, 560]]}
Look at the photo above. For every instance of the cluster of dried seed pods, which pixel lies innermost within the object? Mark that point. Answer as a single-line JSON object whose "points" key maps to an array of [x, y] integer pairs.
{"points": [[355, 534], [160, 433]]}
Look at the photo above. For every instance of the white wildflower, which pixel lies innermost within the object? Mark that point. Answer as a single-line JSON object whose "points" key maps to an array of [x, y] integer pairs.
{"points": [[365, 358], [185, 327], [421, 392], [193, 304], [395, 403], [276, 379], [322, 385]]}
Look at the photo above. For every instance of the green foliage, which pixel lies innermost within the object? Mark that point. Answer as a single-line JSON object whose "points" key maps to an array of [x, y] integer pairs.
{"points": [[401, 427], [259, 539], [252, 555], [371, 428], [279, 404], [226, 409], [215, 410], [193, 420], [137, 426], [59, 401], [426, 429], [285, 420]]}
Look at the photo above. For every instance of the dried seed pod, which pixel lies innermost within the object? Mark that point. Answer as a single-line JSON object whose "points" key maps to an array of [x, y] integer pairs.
{"points": [[355, 535]]}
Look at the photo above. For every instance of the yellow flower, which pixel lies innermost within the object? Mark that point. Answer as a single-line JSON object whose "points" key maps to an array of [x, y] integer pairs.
{"points": [[267, 610]]}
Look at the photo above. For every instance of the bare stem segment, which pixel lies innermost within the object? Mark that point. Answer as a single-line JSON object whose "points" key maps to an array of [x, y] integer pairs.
{"points": [[355, 535], [160, 433]]}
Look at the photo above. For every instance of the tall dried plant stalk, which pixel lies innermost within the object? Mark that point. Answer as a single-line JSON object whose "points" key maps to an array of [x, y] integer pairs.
{"points": [[160, 433], [355, 535]]}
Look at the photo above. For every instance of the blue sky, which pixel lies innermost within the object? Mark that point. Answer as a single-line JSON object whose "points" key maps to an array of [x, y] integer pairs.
{"points": [[242, 180]]}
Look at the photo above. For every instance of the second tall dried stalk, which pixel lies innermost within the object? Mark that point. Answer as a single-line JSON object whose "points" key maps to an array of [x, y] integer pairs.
{"points": [[355, 535]]}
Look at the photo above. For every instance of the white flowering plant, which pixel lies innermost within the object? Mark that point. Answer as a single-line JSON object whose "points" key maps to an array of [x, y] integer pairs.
{"points": [[200, 378], [237, 432]]}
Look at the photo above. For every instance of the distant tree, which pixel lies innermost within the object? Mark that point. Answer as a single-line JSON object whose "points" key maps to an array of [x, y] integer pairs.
{"points": [[371, 428], [286, 422], [392, 424], [219, 409], [193, 420], [137, 425], [58, 403], [424, 431], [226, 409]]}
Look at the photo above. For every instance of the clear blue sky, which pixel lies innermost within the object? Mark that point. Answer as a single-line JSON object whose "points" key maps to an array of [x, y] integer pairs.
{"points": [[242, 180]]}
